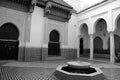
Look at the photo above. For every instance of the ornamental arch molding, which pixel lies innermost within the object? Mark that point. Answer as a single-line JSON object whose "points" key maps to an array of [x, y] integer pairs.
{"points": [[57, 31], [97, 22], [84, 29], [19, 26], [14, 26], [13, 23], [55, 34]]}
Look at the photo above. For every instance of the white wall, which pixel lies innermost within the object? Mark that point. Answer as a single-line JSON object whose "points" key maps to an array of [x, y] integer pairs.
{"points": [[36, 36], [72, 26]]}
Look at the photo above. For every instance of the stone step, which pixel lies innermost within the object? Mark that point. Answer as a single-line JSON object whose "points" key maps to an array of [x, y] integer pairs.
{"points": [[55, 58]]}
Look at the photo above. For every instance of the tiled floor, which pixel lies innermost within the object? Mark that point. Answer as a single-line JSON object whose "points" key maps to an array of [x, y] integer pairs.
{"points": [[26, 73], [45, 70], [112, 73]]}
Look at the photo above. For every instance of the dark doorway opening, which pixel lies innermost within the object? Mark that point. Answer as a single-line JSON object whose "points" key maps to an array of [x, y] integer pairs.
{"points": [[81, 46], [9, 42], [54, 44], [117, 44], [98, 45]]}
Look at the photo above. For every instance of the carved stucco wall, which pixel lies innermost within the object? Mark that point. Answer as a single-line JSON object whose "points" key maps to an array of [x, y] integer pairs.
{"points": [[61, 27]]}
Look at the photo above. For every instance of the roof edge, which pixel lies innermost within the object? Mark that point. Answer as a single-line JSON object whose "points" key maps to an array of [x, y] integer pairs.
{"points": [[93, 6]]}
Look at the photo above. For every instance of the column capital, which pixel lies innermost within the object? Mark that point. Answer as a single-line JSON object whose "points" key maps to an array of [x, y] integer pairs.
{"points": [[111, 32], [91, 35]]}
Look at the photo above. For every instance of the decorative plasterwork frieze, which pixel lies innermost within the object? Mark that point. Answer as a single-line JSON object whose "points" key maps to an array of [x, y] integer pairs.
{"points": [[57, 12]]}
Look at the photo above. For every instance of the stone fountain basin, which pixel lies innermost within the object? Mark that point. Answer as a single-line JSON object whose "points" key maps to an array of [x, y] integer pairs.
{"points": [[78, 65], [64, 75]]}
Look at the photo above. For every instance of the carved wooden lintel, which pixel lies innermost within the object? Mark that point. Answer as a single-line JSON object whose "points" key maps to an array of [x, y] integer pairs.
{"points": [[57, 12]]}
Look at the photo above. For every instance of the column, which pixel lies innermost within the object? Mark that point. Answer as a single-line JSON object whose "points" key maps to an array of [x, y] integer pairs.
{"points": [[27, 29], [44, 45], [112, 48], [91, 46]]}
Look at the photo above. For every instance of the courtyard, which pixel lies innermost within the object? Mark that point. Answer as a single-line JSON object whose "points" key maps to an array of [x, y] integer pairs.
{"points": [[44, 70]]}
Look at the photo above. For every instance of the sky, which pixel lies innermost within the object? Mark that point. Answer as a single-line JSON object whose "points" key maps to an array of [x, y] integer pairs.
{"points": [[79, 5]]}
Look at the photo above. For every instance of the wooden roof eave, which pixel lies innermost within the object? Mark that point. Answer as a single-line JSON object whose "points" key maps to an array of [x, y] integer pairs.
{"points": [[41, 3], [23, 2], [60, 6]]}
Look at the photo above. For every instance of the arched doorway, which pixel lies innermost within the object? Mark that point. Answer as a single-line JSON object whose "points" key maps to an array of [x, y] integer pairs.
{"points": [[84, 40], [81, 45], [98, 45], [9, 42], [101, 35], [54, 44]]}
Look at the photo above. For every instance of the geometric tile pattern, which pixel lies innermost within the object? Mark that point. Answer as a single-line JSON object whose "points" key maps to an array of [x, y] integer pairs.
{"points": [[45, 70], [29, 73], [111, 73], [38, 73]]}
